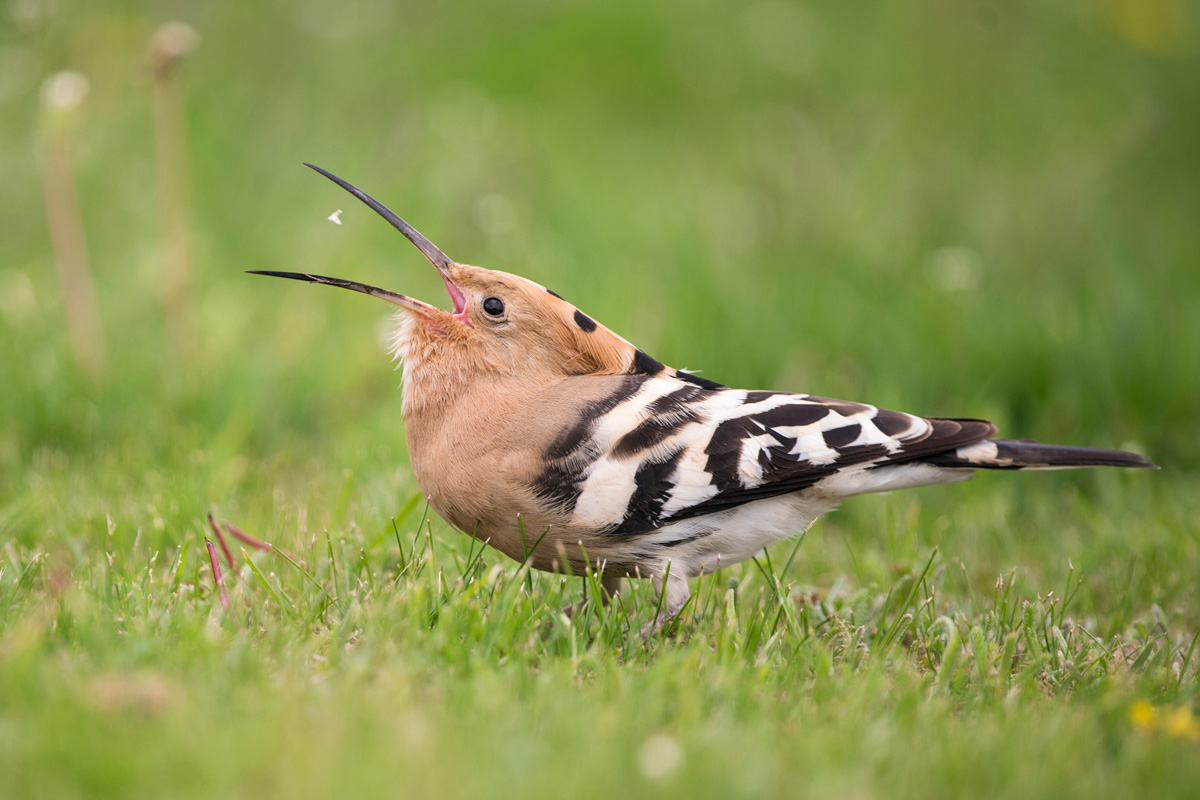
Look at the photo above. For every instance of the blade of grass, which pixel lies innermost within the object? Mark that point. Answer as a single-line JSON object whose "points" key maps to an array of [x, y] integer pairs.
{"points": [[1187, 659], [399, 546], [288, 607], [332, 565], [366, 567], [184, 550], [904, 607]]}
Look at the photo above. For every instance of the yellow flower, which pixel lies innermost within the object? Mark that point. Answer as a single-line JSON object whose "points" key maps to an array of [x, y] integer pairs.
{"points": [[1182, 725], [1179, 723], [1143, 715]]}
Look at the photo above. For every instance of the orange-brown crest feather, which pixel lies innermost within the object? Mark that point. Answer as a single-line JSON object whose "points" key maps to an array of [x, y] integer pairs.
{"points": [[595, 352]]}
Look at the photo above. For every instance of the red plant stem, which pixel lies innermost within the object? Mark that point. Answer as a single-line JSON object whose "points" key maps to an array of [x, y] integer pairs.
{"points": [[224, 547], [216, 570], [253, 541]]}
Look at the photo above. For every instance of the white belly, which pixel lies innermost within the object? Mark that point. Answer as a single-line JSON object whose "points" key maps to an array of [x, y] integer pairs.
{"points": [[705, 544]]}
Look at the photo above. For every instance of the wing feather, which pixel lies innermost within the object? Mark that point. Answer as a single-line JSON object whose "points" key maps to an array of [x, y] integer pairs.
{"points": [[661, 450]]}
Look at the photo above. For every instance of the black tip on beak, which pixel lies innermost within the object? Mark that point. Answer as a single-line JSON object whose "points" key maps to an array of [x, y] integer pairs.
{"points": [[435, 256]]}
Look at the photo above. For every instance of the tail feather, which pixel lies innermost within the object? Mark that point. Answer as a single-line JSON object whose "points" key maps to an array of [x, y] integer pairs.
{"points": [[1027, 454]]}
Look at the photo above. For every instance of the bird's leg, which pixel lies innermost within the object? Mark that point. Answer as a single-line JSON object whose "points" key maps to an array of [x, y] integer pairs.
{"points": [[610, 586], [672, 590]]}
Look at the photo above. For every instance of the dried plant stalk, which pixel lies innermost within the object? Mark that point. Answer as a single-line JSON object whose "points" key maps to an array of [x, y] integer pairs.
{"points": [[62, 95], [169, 45]]}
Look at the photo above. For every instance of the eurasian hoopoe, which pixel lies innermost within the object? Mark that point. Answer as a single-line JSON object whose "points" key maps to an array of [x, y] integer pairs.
{"points": [[526, 419]]}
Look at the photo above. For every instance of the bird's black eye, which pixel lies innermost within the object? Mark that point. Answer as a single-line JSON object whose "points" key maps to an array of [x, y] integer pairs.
{"points": [[494, 306]]}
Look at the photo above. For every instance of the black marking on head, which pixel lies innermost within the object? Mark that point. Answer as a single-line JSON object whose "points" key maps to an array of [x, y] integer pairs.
{"points": [[556, 294], [891, 423], [703, 383], [838, 438], [653, 484], [585, 323], [668, 414], [843, 407], [644, 364]]}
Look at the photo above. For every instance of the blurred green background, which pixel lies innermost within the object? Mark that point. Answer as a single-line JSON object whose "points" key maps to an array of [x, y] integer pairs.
{"points": [[972, 208], [952, 207]]}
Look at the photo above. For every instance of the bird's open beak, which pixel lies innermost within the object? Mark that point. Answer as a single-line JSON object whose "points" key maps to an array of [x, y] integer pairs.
{"points": [[440, 261], [404, 301]]}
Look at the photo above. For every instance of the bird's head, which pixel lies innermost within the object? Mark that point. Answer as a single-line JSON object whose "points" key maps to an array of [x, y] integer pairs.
{"points": [[499, 323]]}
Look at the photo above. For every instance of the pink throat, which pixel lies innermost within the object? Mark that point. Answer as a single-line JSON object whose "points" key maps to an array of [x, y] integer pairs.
{"points": [[459, 312]]}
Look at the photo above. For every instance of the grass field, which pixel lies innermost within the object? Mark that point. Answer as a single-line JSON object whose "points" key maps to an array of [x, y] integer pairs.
{"points": [[951, 208]]}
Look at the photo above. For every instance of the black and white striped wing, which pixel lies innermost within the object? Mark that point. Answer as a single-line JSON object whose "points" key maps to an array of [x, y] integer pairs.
{"points": [[657, 450]]}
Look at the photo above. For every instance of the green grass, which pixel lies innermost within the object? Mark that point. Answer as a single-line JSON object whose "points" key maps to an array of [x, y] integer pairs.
{"points": [[959, 209]]}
